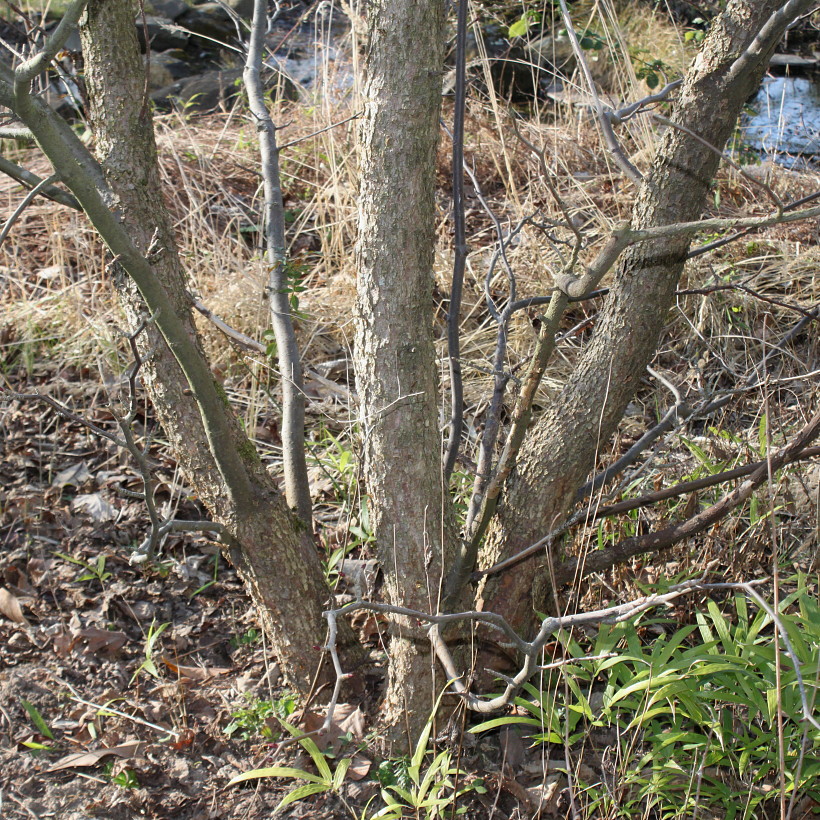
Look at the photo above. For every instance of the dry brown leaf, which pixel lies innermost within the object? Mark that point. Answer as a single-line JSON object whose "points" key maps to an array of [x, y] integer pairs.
{"points": [[74, 761], [348, 721], [197, 673], [359, 767], [103, 640], [10, 607]]}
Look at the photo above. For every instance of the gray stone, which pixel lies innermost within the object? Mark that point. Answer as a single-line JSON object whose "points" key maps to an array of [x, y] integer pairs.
{"points": [[244, 8], [172, 9], [162, 33], [214, 89], [211, 21], [165, 69]]}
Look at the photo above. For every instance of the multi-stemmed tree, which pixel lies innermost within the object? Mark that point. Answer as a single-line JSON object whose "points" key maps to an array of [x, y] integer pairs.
{"points": [[529, 476]]}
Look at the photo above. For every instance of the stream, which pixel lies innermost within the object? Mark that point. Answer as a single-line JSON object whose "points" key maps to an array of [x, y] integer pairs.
{"points": [[785, 125]]}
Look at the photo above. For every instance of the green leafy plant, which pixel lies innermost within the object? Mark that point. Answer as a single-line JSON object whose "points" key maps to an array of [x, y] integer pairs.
{"points": [[39, 722], [151, 639], [523, 24], [325, 781], [702, 698], [696, 35], [428, 792], [248, 638], [126, 779], [253, 720], [93, 572]]}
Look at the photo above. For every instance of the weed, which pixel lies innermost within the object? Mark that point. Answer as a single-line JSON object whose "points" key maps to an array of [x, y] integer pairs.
{"points": [[325, 781], [253, 720], [38, 720], [248, 638], [93, 572], [698, 702], [151, 638], [126, 779]]}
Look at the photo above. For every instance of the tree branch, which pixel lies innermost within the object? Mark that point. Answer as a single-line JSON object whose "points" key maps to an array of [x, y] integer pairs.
{"points": [[654, 542], [280, 287], [460, 250], [31, 180], [531, 650]]}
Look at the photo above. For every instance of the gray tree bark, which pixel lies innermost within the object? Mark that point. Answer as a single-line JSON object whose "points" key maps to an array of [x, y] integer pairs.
{"points": [[559, 452], [274, 553], [394, 355]]}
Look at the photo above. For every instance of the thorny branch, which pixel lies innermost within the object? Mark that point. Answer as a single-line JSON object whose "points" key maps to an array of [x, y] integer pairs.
{"points": [[531, 650]]}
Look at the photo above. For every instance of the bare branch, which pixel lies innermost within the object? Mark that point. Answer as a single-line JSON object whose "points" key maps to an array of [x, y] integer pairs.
{"points": [[677, 413], [663, 539], [630, 546], [26, 201], [320, 131], [766, 37], [606, 126], [719, 243], [691, 486], [297, 486], [531, 650], [28, 70], [31, 180], [460, 250], [778, 203]]}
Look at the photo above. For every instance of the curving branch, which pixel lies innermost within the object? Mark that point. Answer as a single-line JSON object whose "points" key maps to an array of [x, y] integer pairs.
{"points": [[30, 180], [531, 650]]}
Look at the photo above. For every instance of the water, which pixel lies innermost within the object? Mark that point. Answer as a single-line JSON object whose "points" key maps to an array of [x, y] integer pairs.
{"points": [[786, 122]]}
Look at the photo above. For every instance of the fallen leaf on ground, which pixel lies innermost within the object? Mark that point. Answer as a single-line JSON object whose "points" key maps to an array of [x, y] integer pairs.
{"points": [[199, 673], [10, 607], [74, 761]]}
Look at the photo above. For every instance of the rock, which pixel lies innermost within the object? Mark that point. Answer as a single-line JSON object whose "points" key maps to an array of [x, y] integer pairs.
{"points": [[244, 8], [166, 68], [552, 51], [215, 89], [172, 9], [163, 34], [211, 21]]}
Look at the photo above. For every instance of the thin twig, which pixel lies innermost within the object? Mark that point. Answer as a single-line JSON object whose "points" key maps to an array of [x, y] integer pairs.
{"points": [[297, 485], [460, 251]]}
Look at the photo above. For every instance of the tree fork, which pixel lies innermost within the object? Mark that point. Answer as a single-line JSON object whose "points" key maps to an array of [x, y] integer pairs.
{"points": [[559, 451]]}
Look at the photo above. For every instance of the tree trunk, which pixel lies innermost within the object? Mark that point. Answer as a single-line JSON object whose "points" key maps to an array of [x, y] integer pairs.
{"points": [[276, 556], [559, 452], [395, 355]]}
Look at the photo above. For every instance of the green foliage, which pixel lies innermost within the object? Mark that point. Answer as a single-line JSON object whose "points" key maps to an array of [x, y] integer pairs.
{"points": [[253, 720], [93, 572], [429, 792], [698, 701], [325, 781], [522, 25], [248, 638], [126, 779], [151, 639], [697, 34], [37, 719]]}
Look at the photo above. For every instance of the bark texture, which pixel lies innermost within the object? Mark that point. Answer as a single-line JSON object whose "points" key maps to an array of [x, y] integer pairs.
{"points": [[274, 553], [395, 355], [559, 452]]}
